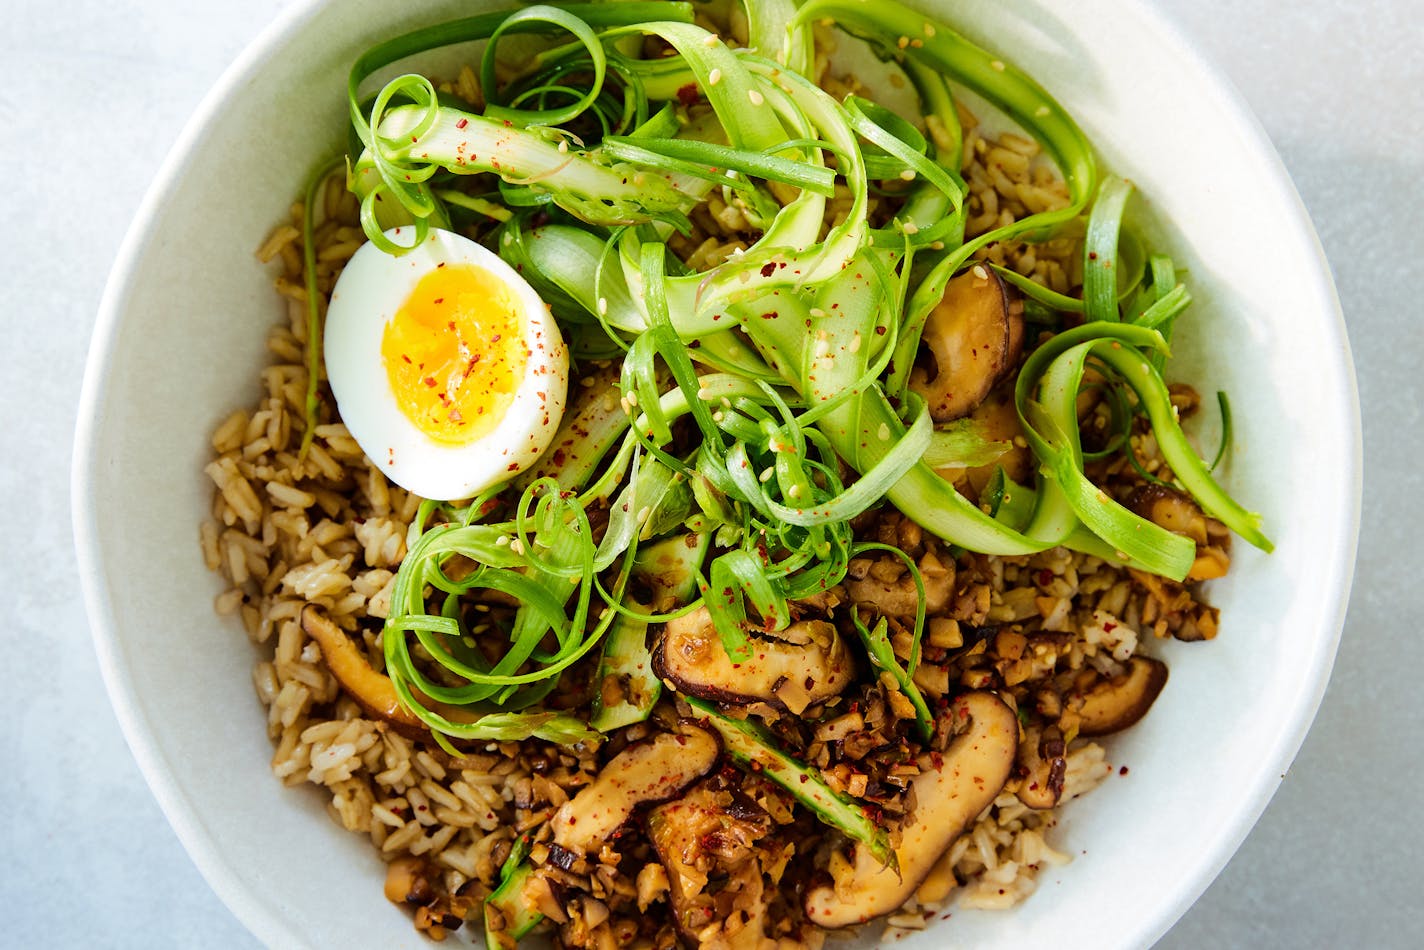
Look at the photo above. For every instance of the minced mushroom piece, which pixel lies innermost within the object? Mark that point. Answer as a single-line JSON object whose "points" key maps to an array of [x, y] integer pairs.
{"points": [[886, 586]]}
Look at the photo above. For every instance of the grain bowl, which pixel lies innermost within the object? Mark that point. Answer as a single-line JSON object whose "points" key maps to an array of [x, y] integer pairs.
{"points": [[180, 342]]}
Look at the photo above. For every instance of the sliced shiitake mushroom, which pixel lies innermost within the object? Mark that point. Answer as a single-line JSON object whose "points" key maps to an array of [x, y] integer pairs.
{"points": [[1170, 509], [806, 663], [1178, 513], [408, 881], [971, 339], [707, 843], [653, 770], [998, 418], [372, 691], [1115, 704], [949, 797], [1043, 758]]}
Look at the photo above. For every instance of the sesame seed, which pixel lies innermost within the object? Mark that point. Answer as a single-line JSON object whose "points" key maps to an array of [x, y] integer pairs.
{"points": [[910, 227], [563, 146], [1042, 111], [884, 432], [997, 66], [710, 41], [929, 29], [766, 474], [603, 306], [980, 272], [632, 399], [714, 77], [908, 174], [755, 97], [903, 42], [794, 491]]}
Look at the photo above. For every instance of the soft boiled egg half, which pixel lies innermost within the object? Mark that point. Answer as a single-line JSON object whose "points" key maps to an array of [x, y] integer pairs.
{"points": [[447, 367]]}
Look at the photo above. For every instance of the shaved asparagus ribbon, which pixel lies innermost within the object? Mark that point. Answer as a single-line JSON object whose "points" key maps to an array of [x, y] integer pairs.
{"points": [[747, 390]]}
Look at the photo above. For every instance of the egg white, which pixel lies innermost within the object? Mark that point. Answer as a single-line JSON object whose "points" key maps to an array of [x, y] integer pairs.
{"points": [[370, 290]]}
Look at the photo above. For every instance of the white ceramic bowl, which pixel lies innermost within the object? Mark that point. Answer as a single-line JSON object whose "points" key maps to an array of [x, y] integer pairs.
{"points": [[180, 339]]}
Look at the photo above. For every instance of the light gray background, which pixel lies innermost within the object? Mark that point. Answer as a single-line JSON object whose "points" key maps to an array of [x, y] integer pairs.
{"points": [[93, 94]]}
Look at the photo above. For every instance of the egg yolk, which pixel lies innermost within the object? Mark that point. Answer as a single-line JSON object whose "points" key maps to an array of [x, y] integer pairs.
{"points": [[454, 353]]}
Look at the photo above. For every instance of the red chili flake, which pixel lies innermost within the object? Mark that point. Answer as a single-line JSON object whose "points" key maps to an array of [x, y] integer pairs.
{"points": [[406, 358], [768, 269], [1092, 255], [456, 417], [462, 123], [442, 300], [1109, 627], [880, 331], [1122, 771], [495, 338], [1045, 577], [687, 94], [513, 467], [429, 381]]}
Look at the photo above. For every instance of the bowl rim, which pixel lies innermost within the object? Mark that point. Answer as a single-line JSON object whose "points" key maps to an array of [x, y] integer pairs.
{"points": [[185, 817], [182, 813]]}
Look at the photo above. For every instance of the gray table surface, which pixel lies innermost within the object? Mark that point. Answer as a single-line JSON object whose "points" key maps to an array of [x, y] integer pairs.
{"points": [[95, 91]]}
